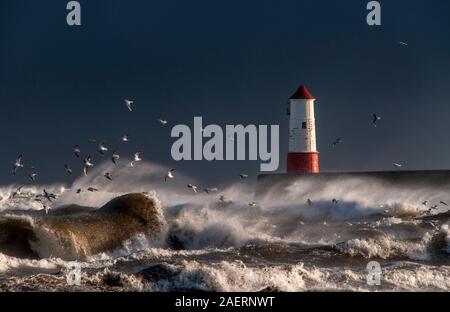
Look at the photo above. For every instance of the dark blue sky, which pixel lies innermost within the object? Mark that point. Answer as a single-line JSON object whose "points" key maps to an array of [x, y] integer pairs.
{"points": [[230, 62]]}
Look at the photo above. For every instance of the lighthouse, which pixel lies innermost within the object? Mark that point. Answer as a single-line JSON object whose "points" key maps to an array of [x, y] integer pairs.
{"points": [[303, 156]]}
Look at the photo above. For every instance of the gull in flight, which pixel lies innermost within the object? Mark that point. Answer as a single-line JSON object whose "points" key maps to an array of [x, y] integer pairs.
{"points": [[403, 43], [125, 138], [243, 176], [309, 202], [398, 165], [92, 140], [108, 176], [443, 203], [68, 169], [17, 192], [193, 187], [337, 141], [169, 175], [33, 176], [162, 122], [92, 189], [102, 148], [87, 164], [434, 207], [115, 157], [79, 191], [210, 190], [17, 164], [49, 196], [137, 157], [253, 204], [375, 119], [77, 151], [129, 104], [425, 202], [335, 201]]}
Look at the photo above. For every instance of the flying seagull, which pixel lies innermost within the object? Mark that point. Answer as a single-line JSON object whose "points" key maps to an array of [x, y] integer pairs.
{"points": [[335, 201], [17, 164], [108, 176], [193, 187], [49, 196], [243, 176], [443, 203], [337, 141], [92, 140], [17, 192], [425, 202], [125, 138], [169, 175], [115, 157], [309, 202], [137, 157], [403, 43], [92, 189], [68, 169], [398, 165], [77, 151], [87, 164], [253, 204], [33, 176], [129, 104], [375, 119], [79, 191], [162, 122], [102, 148]]}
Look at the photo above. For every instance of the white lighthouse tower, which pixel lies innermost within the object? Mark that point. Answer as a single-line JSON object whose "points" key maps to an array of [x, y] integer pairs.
{"points": [[303, 156]]}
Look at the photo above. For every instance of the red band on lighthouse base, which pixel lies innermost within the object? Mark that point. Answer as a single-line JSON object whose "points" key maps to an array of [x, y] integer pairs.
{"points": [[303, 162]]}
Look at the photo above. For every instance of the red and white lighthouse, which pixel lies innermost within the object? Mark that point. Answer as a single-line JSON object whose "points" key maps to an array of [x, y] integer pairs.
{"points": [[303, 156]]}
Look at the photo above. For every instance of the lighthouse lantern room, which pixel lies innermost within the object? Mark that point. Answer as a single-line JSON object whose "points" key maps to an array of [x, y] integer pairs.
{"points": [[303, 156]]}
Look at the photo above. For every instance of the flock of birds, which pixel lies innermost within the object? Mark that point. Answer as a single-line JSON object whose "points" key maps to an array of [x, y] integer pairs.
{"points": [[375, 119], [46, 197]]}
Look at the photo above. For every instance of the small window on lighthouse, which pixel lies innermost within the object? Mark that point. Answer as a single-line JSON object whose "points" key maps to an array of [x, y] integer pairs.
{"points": [[304, 125]]}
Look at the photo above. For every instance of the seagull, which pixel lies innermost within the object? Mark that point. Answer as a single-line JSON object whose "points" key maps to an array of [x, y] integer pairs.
{"points": [[92, 189], [193, 187], [337, 141], [375, 119], [87, 164], [102, 148], [243, 176], [129, 104], [253, 204], [33, 176], [425, 202], [162, 122], [92, 140], [17, 192], [309, 201], [115, 157], [49, 196], [443, 203], [68, 169], [17, 164], [125, 138], [434, 207], [209, 190], [79, 191], [403, 43], [77, 151], [169, 175], [108, 176], [335, 201], [398, 165], [137, 157]]}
